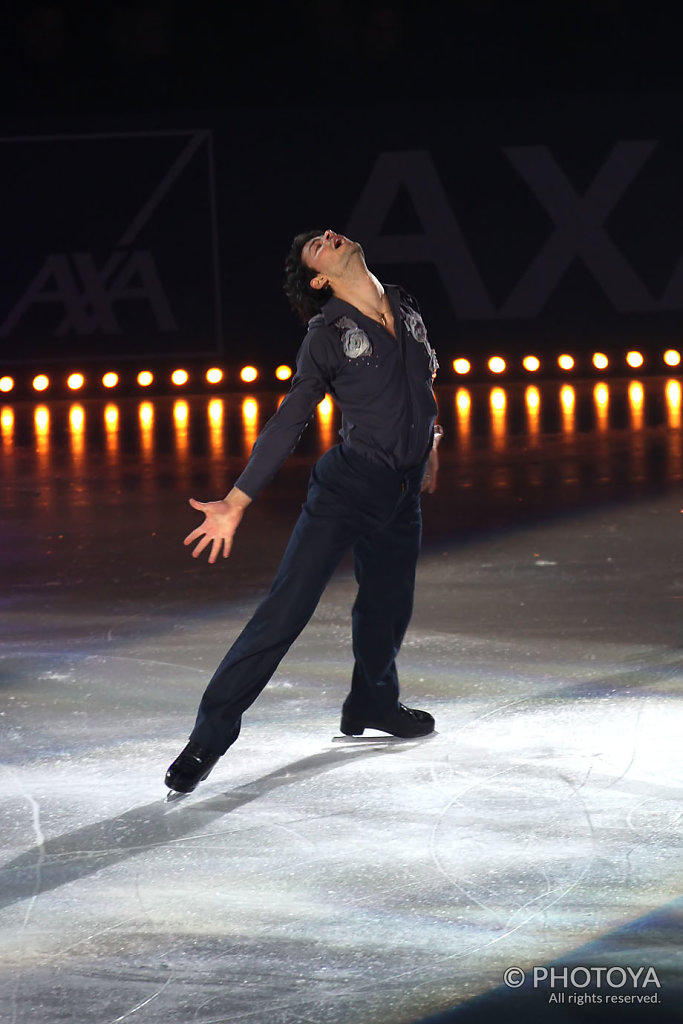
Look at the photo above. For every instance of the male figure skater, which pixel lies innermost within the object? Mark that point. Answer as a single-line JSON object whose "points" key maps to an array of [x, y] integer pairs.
{"points": [[367, 346]]}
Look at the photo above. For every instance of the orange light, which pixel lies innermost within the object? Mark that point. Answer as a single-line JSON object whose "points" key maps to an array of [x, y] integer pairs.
{"points": [[498, 402], [181, 413], [673, 402], [634, 359], [6, 384], [110, 380], [567, 398], [214, 375], [111, 427], [462, 366], [532, 399], [567, 401], [145, 378], [496, 364], [463, 404], [463, 400], [75, 381], [601, 398], [249, 411], [41, 382], [531, 363], [671, 357], [636, 394], [146, 414], [41, 423], [248, 374], [636, 397], [283, 372], [566, 362], [250, 414], [180, 377], [76, 418], [673, 392], [111, 417], [325, 417], [600, 361], [216, 411], [498, 399], [7, 422], [181, 417], [41, 418]]}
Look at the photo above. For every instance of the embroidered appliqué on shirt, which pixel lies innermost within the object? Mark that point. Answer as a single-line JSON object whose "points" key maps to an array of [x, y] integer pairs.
{"points": [[416, 327], [355, 341]]}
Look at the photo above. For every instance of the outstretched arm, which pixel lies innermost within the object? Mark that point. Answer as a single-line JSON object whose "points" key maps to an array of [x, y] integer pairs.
{"points": [[221, 519], [274, 443]]}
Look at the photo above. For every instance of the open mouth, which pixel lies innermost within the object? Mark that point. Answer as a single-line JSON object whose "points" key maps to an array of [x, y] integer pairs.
{"points": [[338, 241]]}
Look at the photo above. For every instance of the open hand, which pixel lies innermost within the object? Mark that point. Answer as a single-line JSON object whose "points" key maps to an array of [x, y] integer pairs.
{"points": [[221, 519]]}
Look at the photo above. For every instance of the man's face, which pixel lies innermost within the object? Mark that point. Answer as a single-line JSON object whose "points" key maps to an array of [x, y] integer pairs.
{"points": [[328, 254]]}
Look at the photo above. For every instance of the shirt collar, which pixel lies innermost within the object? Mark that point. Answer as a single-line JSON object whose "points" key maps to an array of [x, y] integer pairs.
{"points": [[334, 307]]}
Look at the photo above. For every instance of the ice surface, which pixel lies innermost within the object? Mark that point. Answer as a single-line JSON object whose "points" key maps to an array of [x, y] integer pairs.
{"points": [[313, 878]]}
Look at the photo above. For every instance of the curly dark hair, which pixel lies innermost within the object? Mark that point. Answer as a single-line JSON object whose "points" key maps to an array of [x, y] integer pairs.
{"points": [[304, 300]]}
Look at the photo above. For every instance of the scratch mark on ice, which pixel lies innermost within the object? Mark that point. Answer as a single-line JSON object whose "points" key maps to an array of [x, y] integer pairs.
{"points": [[145, 1002], [40, 844]]}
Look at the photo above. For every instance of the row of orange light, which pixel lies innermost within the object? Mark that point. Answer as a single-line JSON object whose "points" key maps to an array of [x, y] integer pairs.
{"points": [[532, 364], [77, 381], [498, 400], [181, 412], [532, 396], [248, 374], [146, 415]]}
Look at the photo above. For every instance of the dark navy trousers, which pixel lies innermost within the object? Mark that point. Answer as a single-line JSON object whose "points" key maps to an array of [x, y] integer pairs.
{"points": [[352, 503]]}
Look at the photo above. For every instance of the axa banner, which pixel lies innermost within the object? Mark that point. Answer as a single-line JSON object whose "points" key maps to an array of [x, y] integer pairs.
{"points": [[109, 245], [518, 222]]}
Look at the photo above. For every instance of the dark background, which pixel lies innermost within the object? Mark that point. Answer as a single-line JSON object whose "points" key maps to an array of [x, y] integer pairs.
{"points": [[63, 56], [296, 103]]}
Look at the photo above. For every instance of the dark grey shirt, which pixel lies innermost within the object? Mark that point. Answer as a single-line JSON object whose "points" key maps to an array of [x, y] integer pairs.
{"points": [[382, 385]]}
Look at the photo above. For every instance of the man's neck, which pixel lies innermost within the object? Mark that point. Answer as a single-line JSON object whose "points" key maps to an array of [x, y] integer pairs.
{"points": [[361, 290]]}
